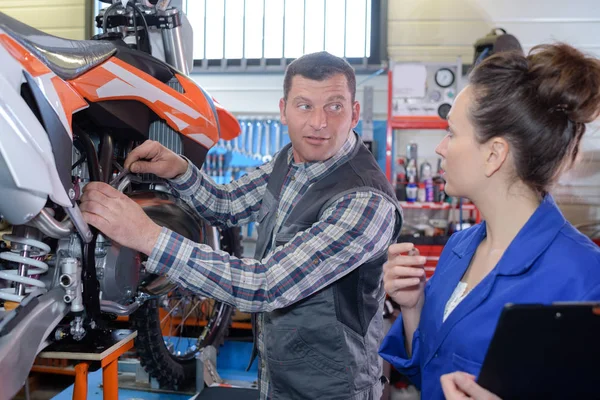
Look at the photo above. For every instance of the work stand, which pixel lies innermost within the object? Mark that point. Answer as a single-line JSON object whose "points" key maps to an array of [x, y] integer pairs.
{"points": [[105, 351]]}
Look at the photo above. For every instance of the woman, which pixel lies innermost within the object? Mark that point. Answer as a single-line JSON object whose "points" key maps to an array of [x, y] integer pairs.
{"points": [[512, 131]]}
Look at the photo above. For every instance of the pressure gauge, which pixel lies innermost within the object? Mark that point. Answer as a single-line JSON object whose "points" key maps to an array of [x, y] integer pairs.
{"points": [[435, 96], [444, 77], [444, 110]]}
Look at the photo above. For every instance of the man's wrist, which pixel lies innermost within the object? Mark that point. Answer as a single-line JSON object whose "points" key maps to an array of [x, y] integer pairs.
{"points": [[183, 168], [150, 237]]}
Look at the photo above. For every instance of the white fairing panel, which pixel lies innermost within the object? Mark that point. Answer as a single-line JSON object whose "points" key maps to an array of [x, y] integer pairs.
{"points": [[27, 170]]}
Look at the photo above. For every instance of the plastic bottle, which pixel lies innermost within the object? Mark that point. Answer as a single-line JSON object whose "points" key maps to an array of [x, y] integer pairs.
{"points": [[429, 192], [427, 180], [411, 171], [426, 171], [412, 150], [400, 183], [421, 192], [411, 190]]}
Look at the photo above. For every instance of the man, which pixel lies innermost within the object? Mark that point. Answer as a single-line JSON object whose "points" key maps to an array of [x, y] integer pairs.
{"points": [[326, 216]]}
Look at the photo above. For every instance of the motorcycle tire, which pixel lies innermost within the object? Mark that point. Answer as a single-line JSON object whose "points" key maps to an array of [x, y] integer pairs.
{"points": [[171, 371]]}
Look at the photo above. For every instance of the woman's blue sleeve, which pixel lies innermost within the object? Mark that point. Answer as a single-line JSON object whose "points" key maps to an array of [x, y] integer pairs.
{"points": [[393, 351]]}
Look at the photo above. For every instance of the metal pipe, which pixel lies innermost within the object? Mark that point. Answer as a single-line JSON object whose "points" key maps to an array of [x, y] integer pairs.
{"points": [[173, 44], [118, 309], [22, 271], [124, 184], [46, 223], [82, 227]]}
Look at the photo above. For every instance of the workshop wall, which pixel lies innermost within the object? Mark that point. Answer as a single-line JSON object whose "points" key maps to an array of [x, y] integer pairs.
{"points": [[439, 30], [259, 94], [418, 30], [64, 18], [434, 30]]}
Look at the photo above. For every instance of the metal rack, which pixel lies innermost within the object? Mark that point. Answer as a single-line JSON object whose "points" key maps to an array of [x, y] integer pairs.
{"points": [[431, 249]]}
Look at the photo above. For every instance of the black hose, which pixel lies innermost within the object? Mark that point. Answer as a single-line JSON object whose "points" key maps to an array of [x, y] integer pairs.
{"points": [[91, 286], [106, 154], [78, 162], [136, 9], [135, 30], [90, 152], [108, 10]]}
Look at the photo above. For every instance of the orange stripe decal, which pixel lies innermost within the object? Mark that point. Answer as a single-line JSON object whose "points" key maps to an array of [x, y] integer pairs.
{"points": [[69, 98], [31, 64], [187, 113]]}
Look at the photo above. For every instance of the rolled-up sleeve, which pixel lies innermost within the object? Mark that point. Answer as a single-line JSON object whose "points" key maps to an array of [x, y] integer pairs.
{"points": [[393, 350]]}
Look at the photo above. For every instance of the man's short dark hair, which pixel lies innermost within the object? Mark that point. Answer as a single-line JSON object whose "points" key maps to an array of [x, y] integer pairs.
{"points": [[319, 66]]}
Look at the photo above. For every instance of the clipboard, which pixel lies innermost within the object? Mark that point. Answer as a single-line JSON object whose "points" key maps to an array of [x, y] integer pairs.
{"points": [[544, 352]]}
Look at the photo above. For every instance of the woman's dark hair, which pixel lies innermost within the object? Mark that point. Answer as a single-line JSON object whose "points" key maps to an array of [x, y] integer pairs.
{"points": [[540, 104], [318, 67]]}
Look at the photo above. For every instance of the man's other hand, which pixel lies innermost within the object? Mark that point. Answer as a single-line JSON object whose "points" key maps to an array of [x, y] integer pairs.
{"points": [[153, 158], [118, 217]]}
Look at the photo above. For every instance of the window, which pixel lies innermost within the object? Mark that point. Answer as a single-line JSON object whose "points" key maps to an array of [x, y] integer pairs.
{"points": [[267, 34]]}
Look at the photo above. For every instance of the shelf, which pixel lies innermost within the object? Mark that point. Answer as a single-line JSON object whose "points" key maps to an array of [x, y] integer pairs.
{"points": [[424, 122], [434, 206]]}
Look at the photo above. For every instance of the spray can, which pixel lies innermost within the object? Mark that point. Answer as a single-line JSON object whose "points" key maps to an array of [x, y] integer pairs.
{"points": [[411, 190], [429, 191]]}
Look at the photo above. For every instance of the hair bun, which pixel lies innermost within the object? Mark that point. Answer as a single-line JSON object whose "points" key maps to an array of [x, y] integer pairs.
{"points": [[567, 81]]}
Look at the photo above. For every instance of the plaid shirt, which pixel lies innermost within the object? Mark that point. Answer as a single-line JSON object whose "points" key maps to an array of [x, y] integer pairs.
{"points": [[356, 228]]}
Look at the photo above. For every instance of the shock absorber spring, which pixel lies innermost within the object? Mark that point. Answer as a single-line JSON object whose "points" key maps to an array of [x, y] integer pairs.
{"points": [[28, 255]]}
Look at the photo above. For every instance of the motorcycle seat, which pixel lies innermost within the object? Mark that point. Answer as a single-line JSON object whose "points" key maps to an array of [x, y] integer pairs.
{"points": [[66, 58]]}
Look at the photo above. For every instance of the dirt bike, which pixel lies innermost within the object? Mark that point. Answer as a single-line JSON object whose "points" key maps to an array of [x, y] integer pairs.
{"points": [[70, 113]]}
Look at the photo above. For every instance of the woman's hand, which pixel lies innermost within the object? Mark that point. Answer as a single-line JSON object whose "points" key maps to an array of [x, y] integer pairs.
{"points": [[404, 275], [460, 385]]}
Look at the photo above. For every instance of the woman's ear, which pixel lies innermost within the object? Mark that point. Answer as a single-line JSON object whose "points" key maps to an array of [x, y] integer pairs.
{"points": [[497, 153]]}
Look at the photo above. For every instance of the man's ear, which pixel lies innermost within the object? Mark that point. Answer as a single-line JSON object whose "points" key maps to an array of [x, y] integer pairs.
{"points": [[282, 104], [355, 113], [496, 155]]}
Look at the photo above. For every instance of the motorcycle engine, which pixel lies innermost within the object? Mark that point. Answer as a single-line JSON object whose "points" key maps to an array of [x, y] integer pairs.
{"points": [[118, 271], [117, 268]]}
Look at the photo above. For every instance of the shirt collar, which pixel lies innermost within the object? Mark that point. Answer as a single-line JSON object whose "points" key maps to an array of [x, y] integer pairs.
{"points": [[317, 169]]}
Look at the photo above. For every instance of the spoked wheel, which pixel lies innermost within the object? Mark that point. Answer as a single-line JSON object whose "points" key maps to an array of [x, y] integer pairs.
{"points": [[169, 336], [173, 328]]}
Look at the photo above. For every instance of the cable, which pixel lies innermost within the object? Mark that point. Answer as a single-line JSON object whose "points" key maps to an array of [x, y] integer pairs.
{"points": [[135, 30], [79, 162], [108, 10], [136, 9]]}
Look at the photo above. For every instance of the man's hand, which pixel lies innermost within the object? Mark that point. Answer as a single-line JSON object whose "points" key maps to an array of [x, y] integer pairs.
{"points": [[153, 158], [118, 217], [460, 385]]}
